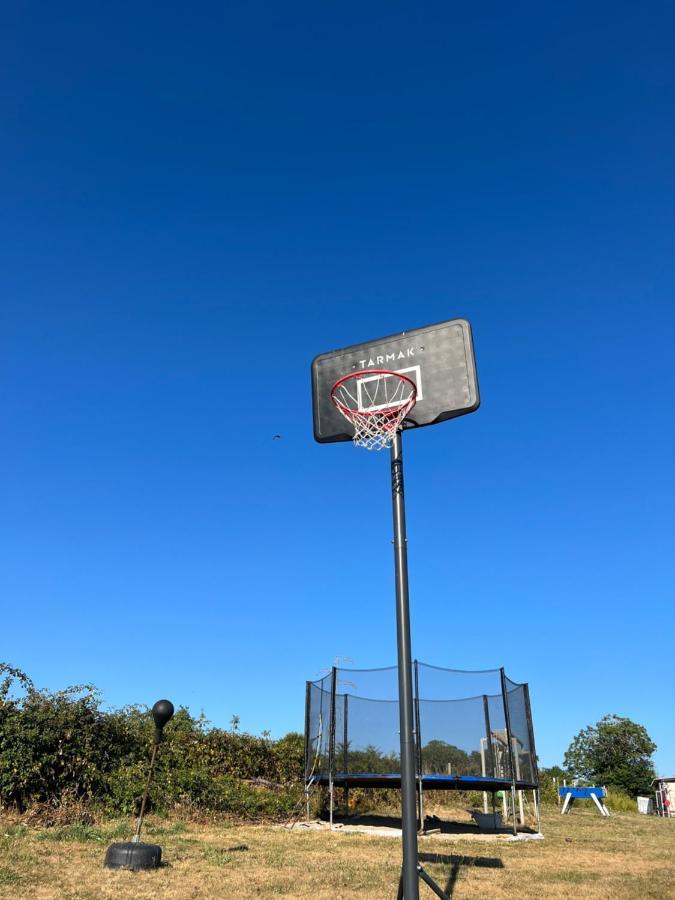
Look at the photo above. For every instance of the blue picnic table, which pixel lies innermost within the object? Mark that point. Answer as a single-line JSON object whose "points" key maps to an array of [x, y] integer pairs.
{"points": [[596, 794]]}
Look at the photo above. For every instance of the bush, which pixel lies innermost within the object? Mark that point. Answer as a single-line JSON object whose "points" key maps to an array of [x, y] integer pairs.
{"points": [[61, 749], [549, 782]]}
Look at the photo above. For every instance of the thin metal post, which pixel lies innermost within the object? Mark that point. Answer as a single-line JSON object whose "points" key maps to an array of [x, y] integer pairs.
{"points": [[345, 744], [308, 700], [483, 770], [308, 689], [533, 756], [507, 721], [418, 743], [137, 836], [331, 740], [410, 876], [489, 750], [488, 734], [516, 758]]}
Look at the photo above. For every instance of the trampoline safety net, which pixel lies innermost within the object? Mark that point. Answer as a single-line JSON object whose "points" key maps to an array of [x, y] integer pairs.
{"points": [[469, 727]]}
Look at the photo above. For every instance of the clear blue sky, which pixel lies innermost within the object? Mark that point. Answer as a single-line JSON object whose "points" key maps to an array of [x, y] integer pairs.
{"points": [[198, 199]]}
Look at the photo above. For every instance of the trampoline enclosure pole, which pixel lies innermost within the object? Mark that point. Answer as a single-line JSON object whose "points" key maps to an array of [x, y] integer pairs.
{"points": [[534, 765], [345, 745], [331, 739], [418, 744], [509, 744], [308, 695], [489, 756], [308, 688], [409, 880]]}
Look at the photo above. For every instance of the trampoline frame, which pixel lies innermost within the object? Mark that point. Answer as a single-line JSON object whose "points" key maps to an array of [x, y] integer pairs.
{"points": [[338, 776]]}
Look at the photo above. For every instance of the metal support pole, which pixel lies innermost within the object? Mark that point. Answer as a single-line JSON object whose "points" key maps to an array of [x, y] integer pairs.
{"points": [[489, 750], [411, 870], [418, 745], [516, 756], [331, 740], [308, 700], [507, 720], [345, 745], [483, 770], [410, 882], [533, 756], [137, 836], [308, 689]]}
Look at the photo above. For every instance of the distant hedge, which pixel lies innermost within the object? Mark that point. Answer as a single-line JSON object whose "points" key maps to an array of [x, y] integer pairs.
{"points": [[62, 746]]}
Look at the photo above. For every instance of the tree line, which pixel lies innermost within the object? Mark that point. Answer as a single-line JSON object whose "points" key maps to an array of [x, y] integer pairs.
{"points": [[57, 746]]}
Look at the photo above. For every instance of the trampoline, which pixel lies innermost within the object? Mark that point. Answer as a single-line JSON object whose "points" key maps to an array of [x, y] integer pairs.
{"points": [[473, 732]]}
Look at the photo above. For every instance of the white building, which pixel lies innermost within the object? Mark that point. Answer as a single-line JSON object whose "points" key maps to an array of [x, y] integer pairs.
{"points": [[664, 788]]}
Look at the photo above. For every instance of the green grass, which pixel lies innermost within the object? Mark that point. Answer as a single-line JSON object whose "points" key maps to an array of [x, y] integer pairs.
{"points": [[625, 857]]}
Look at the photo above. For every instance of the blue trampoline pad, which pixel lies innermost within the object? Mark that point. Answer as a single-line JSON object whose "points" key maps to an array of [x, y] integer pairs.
{"points": [[429, 782]]}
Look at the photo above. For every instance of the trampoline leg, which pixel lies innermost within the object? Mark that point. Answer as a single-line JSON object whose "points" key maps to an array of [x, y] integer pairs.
{"points": [[537, 811], [513, 809], [566, 804], [505, 809], [330, 817], [494, 812], [520, 808], [307, 805]]}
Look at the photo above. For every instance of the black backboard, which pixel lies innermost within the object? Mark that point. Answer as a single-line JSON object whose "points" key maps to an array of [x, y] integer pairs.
{"points": [[439, 359]]}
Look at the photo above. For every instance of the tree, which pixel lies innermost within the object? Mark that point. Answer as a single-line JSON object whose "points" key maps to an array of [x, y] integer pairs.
{"points": [[615, 751], [438, 755]]}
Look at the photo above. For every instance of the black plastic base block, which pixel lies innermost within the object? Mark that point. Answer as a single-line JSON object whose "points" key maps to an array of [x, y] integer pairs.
{"points": [[133, 856]]}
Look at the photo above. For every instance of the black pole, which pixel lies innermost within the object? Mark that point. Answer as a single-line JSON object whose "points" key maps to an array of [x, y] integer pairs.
{"points": [[488, 734], [331, 738], [410, 883], [530, 731], [533, 755], [308, 688], [418, 743], [412, 870], [139, 824], [345, 745], [509, 737]]}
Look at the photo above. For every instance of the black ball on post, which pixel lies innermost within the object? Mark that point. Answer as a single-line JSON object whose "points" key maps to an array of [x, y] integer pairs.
{"points": [[162, 713], [134, 854]]}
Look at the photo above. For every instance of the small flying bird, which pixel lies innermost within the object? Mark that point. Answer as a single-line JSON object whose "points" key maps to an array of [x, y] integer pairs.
{"points": [[277, 437]]}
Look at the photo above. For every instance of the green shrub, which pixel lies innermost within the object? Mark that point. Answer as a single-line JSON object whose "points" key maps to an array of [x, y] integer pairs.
{"points": [[619, 801], [63, 745]]}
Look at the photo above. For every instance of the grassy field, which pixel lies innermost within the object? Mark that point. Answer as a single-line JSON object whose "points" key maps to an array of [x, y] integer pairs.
{"points": [[626, 856]]}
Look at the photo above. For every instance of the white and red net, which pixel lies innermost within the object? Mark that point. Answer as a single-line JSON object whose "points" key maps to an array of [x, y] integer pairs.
{"points": [[375, 402]]}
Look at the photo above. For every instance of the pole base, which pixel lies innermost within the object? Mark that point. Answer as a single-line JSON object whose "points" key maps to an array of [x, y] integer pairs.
{"points": [[134, 856]]}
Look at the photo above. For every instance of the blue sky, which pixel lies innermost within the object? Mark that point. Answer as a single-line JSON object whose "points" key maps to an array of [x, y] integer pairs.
{"points": [[194, 204]]}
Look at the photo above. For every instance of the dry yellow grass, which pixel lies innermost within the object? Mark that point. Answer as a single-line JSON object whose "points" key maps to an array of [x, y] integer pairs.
{"points": [[626, 856]]}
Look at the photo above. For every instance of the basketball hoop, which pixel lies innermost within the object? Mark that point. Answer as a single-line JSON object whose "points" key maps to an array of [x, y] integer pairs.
{"points": [[375, 401]]}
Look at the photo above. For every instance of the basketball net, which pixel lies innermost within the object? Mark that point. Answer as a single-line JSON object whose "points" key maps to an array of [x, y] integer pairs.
{"points": [[376, 402]]}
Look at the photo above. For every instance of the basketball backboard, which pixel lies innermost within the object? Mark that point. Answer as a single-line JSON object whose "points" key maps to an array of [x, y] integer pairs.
{"points": [[438, 358]]}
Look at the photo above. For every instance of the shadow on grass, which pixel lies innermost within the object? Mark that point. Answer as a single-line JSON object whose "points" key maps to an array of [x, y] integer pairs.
{"points": [[456, 862], [432, 825]]}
